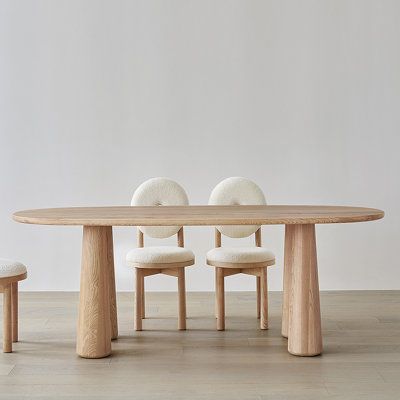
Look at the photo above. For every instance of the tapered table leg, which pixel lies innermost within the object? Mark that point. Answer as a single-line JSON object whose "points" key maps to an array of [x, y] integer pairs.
{"points": [[304, 331], [287, 277], [94, 327], [113, 297]]}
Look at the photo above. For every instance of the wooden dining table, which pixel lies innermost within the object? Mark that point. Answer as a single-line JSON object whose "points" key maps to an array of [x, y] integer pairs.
{"points": [[301, 316]]}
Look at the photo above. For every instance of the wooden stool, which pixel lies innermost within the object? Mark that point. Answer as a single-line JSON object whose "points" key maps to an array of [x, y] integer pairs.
{"points": [[11, 272]]}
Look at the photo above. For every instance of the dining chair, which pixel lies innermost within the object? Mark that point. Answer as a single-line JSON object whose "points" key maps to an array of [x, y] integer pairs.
{"points": [[228, 261], [152, 260], [11, 272]]}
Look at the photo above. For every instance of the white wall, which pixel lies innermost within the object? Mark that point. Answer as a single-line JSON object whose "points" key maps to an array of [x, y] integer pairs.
{"points": [[301, 96]]}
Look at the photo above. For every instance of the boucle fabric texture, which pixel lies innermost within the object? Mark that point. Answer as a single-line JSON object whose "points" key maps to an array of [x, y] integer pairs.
{"points": [[159, 254], [159, 192], [9, 268], [240, 255], [237, 191]]}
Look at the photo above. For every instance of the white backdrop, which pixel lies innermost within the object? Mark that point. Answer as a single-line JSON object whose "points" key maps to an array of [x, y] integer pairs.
{"points": [[300, 96]]}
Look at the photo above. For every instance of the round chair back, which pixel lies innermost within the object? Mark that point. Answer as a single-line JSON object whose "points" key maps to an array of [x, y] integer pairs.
{"points": [[237, 191], [159, 192]]}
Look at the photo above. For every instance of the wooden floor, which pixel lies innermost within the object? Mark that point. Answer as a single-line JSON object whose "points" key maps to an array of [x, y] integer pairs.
{"points": [[361, 360]]}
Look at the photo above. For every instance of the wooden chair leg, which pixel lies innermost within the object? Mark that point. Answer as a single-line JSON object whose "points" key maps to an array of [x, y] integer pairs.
{"points": [[143, 300], [14, 311], [182, 299], [7, 320], [264, 299], [258, 296], [220, 298], [138, 300], [216, 300]]}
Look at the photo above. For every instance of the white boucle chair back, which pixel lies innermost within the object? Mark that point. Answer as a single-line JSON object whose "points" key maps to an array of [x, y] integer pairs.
{"points": [[159, 192], [237, 191]]}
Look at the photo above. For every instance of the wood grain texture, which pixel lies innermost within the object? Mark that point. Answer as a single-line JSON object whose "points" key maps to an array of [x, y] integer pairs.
{"points": [[7, 320], [263, 298], [258, 243], [180, 238], [14, 311], [94, 321], [181, 299], [287, 277], [197, 215], [304, 334], [258, 294], [112, 289], [217, 238], [361, 362], [138, 299], [220, 298]]}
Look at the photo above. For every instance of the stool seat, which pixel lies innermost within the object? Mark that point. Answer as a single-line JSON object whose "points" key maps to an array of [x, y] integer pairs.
{"points": [[10, 268], [141, 256], [10, 273], [240, 255]]}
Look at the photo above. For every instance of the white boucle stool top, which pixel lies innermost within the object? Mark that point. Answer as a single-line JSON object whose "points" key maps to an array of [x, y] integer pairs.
{"points": [[9, 268], [159, 192], [237, 191]]}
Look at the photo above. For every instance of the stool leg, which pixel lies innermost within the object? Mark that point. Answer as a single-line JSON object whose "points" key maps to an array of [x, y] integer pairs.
{"points": [[220, 298], [138, 298], [258, 280], [14, 308], [7, 320], [264, 299], [182, 299]]}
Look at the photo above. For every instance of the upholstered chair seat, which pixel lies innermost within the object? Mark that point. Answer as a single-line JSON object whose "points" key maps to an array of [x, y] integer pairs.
{"points": [[10, 268], [240, 255], [159, 255]]}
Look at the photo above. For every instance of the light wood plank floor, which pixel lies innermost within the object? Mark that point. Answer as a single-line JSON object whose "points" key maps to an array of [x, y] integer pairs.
{"points": [[361, 360]]}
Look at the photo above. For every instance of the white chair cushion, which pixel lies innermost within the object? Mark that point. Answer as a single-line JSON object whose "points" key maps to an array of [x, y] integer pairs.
{"points": [[237, 191], [159, 255], [9, 268], [159, 192], [240, 255]]}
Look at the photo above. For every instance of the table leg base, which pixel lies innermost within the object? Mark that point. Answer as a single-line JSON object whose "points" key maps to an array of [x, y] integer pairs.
{"points": [[94, 323], [304, 333]]}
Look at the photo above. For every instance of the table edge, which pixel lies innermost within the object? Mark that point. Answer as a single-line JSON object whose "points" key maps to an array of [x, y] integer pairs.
{"points": [[376, 214]]}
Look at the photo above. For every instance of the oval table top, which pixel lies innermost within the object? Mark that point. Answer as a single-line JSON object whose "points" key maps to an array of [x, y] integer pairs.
{"points": [[197, 215]]}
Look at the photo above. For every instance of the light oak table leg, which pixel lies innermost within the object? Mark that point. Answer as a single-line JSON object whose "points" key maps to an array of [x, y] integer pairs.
{"points": [[264, 299], [14, 308], [113, 297], [287, 277], [220, 298], [182, 299], [305, 337], [7, 320], [94, 327]]}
